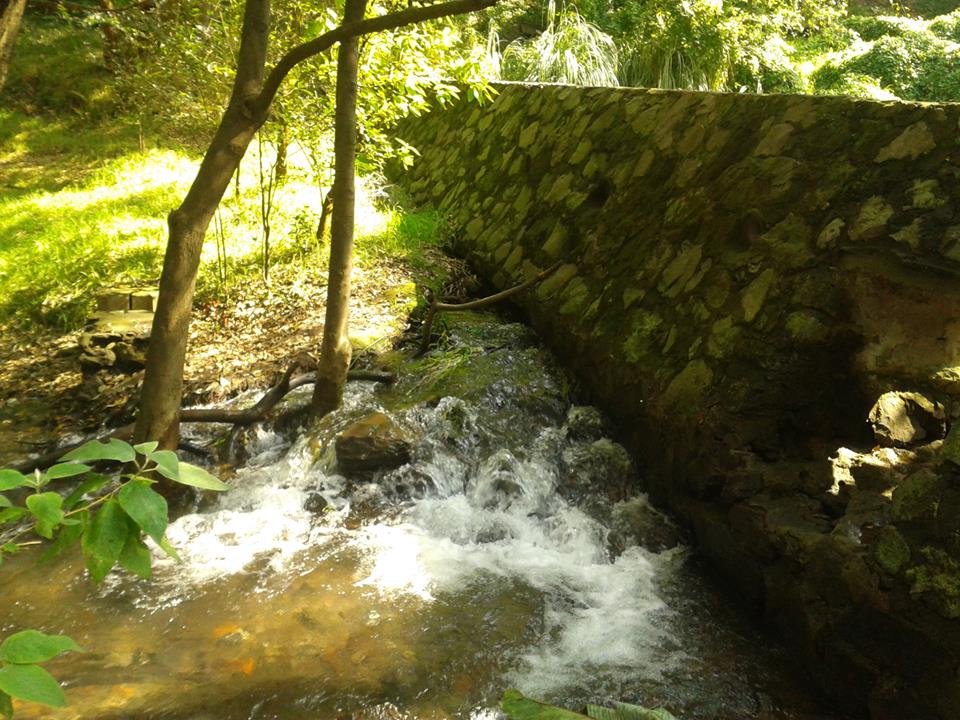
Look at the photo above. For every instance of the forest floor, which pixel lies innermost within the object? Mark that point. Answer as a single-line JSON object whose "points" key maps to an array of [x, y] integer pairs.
{"points": [[235, 346]]}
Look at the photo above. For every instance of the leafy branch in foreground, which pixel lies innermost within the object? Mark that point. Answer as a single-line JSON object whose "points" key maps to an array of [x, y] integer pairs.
{"points": [[110, 518], [22, 677], [107, 516]]}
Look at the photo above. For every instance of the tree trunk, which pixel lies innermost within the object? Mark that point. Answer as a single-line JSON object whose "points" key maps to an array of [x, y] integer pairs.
{"points": [[159, 417], [335, 349], [251, 98], [11, 15]]}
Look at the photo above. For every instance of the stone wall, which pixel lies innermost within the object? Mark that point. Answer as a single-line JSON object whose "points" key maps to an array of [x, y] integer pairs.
{"points": [[741, 277]]}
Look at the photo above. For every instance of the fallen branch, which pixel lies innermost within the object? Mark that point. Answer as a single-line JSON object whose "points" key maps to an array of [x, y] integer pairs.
{"points": [[436, 307], [248, 416]]}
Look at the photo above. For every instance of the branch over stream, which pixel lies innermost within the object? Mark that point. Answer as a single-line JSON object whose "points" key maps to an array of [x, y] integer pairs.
{"points": [[436, 307], [248, 416]]}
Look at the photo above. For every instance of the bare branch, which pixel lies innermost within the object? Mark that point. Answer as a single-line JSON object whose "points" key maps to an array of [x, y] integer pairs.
{"points": [[436, 307]]}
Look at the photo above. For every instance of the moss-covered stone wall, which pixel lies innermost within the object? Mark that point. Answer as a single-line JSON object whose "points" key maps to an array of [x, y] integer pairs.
{"points": [[741, 277]]}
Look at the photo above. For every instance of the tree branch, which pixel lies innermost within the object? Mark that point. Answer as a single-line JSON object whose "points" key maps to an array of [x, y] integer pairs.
{"points": [[390, 21], [436, 307]]}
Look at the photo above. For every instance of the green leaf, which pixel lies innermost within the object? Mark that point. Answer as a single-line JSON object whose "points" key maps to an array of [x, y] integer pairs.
{"points": [[90, 484], [112, 449], [167, 463], [135, 557], [65, 470], [169, 549], [5, 502], [10, 547], [10, 479], [47, 508], [32, 646], [68, 535], [31, 683], [6, 705], [12, 513], [145, 448], [104, 539], [147, 508], [200, 478], [517, 707]]}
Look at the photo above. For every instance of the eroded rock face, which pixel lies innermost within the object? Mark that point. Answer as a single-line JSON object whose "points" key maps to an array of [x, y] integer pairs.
{"points": [[900, 419], [374, 443]]}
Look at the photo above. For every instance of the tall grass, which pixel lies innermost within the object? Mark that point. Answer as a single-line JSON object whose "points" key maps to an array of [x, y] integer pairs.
{"points": [[570, 50]]}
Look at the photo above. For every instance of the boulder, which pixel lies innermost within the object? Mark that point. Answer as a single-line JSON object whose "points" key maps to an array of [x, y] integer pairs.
{"points": [[585, 423], [637, 522], [370, 444], [602, 467], [900, 419]]}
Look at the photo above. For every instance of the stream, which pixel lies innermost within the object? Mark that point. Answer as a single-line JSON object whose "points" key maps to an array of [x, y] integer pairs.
{"points": [[508, 553]]}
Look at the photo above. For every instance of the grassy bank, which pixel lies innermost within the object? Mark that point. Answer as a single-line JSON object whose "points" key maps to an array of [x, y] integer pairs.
{"points": [[83, 207]]}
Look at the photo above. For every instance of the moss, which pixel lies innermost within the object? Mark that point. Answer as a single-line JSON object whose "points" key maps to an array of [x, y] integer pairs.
{"points": [[830, 234], [917, 497], [891, 552], [951, 445], [676, 275], [755, 294], [631, 296], [913, 142], [643, 338], [805, 327], [938, 578], [691, 384], [871, 222], [582, 151], [723, 337], [528, 135], [925, 194], [574, 297]]}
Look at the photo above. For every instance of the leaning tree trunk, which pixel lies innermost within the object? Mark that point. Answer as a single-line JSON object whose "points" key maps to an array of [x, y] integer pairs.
{"points": [[335, 349], [159, 417], [11, 15]]}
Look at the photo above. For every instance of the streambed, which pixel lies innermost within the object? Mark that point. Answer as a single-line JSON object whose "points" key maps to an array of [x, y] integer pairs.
{"points": [[493, 559]]}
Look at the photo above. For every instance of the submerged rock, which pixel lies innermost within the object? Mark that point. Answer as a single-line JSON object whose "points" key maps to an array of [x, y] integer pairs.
{"points": [[372, 443]]}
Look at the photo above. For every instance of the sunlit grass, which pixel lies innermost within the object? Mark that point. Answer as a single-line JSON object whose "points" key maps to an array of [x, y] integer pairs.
{"points": [[59, 243]]}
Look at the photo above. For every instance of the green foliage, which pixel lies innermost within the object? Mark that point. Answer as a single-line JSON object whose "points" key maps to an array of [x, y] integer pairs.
{"points": [[21, 676], [569, 50], [57, 67], [914, 66], [517, 707], [946, 27], [108, 517]]}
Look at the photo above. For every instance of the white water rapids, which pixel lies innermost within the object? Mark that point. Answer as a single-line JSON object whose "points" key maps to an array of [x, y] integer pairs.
{"points": [[424, 591]]}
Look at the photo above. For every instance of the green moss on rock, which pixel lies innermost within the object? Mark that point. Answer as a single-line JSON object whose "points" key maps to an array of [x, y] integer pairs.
{"points": [[891, 552], [938, 579], [688, 387], [755, 294], [643, 337]]}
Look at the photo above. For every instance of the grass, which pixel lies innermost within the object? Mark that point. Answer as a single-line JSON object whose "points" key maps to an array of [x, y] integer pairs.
{"points": [[58, 67], [82, 208]]}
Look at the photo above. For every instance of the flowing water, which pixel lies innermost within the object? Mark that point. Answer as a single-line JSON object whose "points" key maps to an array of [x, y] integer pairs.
{"points": [[492, 560]]}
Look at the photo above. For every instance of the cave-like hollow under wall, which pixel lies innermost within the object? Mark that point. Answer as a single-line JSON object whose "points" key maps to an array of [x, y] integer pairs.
{"points": [[741, 276]]}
